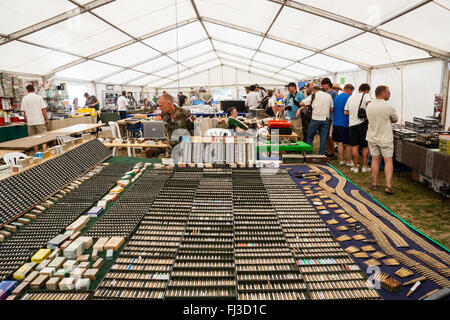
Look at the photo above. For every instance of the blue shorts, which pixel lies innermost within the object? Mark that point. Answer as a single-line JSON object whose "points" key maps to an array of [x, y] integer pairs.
{"points": [[340, 134]]}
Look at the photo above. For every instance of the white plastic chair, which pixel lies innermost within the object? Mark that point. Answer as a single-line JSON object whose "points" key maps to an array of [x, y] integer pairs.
{"points": [[218, 132], [117, 135], [62, 139], [13, 158], [262, 132]]}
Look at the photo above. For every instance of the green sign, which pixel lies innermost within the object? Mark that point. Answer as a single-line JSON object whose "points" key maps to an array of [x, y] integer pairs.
{"points": [[342, 80]]}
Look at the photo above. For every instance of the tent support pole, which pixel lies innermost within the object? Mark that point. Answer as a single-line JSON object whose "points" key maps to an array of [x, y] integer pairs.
{"points": [[444, 90]]}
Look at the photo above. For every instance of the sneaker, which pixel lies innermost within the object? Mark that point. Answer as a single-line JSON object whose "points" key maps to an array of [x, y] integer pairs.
{"points": [[349, 164], [342, 163], [366, 170], [354, 170], [331, 156]]}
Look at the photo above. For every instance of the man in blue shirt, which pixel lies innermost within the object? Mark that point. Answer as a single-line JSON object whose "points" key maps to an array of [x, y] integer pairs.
{"points": [[340, 125], [292, 104]]}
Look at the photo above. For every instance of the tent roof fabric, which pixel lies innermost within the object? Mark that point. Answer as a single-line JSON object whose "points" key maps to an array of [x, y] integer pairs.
{"points": [[155, 43]]}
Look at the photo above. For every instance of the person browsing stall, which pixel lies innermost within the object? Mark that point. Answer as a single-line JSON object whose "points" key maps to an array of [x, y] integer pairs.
{"points": [[340, 126], [122, 105], [251, 101], [293, 101], [355, 108], [92, 102], [322, 105], [381, 115], [35, 114]]}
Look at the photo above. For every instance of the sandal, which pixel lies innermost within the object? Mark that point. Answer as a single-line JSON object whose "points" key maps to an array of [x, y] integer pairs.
{"points": [[389, 191], [372, 187]]}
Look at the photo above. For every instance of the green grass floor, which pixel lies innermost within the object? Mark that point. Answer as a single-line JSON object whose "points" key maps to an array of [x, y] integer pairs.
{"points": [[413, 201]]}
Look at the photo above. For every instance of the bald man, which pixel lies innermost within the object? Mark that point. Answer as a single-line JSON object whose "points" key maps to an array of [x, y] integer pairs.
{"points": [[174, 118]]}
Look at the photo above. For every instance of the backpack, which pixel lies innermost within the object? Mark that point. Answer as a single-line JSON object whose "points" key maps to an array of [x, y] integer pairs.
{"points": [[264, 103], [307, 114], [362, 113]]}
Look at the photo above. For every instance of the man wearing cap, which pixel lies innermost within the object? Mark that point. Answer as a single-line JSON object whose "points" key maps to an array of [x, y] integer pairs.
{"points": [[322, 105], [292, 106]]}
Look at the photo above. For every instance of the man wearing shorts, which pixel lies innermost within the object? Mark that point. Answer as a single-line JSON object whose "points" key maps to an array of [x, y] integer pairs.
{"points": [[35, 114], [381, 115], [340, 128], [358, 127]]}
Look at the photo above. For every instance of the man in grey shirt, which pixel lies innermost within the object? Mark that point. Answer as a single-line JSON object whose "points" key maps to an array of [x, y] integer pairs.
{"points": [[381, 114]]}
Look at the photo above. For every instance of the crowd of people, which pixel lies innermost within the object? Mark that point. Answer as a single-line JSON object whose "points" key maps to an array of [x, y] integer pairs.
{"points": [[351, 123]]}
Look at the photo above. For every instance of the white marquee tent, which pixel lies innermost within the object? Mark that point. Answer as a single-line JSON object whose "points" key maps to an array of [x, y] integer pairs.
{"points": [[172, 44]]}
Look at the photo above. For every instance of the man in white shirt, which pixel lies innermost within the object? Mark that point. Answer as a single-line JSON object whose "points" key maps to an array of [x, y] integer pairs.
{"points": [[358, 127], [122, 105], [35, 114], [322, 105], [381, 115], [252, 100]]}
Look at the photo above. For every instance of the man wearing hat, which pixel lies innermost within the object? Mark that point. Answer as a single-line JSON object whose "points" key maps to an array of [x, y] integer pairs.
{"points": [[292, 105]]}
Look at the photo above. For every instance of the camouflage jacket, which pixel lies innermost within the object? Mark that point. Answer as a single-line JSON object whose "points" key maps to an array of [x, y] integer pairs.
{"points": [[181, 120]]}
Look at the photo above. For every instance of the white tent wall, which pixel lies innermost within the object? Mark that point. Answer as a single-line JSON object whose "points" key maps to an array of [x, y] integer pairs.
{"points": [[355, 78], [412, 87], [420, 84]]}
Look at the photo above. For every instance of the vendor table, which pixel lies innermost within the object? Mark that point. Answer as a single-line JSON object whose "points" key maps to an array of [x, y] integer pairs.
{"points": [[13, 131], [64, 123], [134, 145], [429, 162], [300, 146], [29, 142], [78, 129], [293, 136]]}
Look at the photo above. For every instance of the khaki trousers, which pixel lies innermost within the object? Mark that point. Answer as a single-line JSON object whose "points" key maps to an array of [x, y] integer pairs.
{"points": [[297, 128]]}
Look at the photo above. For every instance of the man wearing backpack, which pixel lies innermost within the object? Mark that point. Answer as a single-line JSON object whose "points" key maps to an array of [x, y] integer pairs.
{"points": [[355, 108], [292, 105], [322, 105]]}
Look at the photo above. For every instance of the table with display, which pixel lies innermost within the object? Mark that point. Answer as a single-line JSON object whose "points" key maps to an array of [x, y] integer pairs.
{"points": [[79, 129], [429, 162], [30, 142]]}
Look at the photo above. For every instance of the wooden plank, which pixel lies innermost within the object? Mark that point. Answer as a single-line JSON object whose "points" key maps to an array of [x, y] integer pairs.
{"points": [[29, 142], [77, 129], [134, 145]]}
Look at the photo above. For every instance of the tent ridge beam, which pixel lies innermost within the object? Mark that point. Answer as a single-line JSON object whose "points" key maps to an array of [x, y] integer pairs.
{"points": [[241, 57], [120, 45], [195, 72], [194, 6], [129, 35], [289, 42], [271, 54], [154, 58], [256, 73], [54, 20], [184, 61], [367, 28], [268, 29]]}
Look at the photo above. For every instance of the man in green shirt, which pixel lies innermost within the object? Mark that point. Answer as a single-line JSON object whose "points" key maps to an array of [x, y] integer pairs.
{"points": [[234, 123], [92, 102], [177, 121]]}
